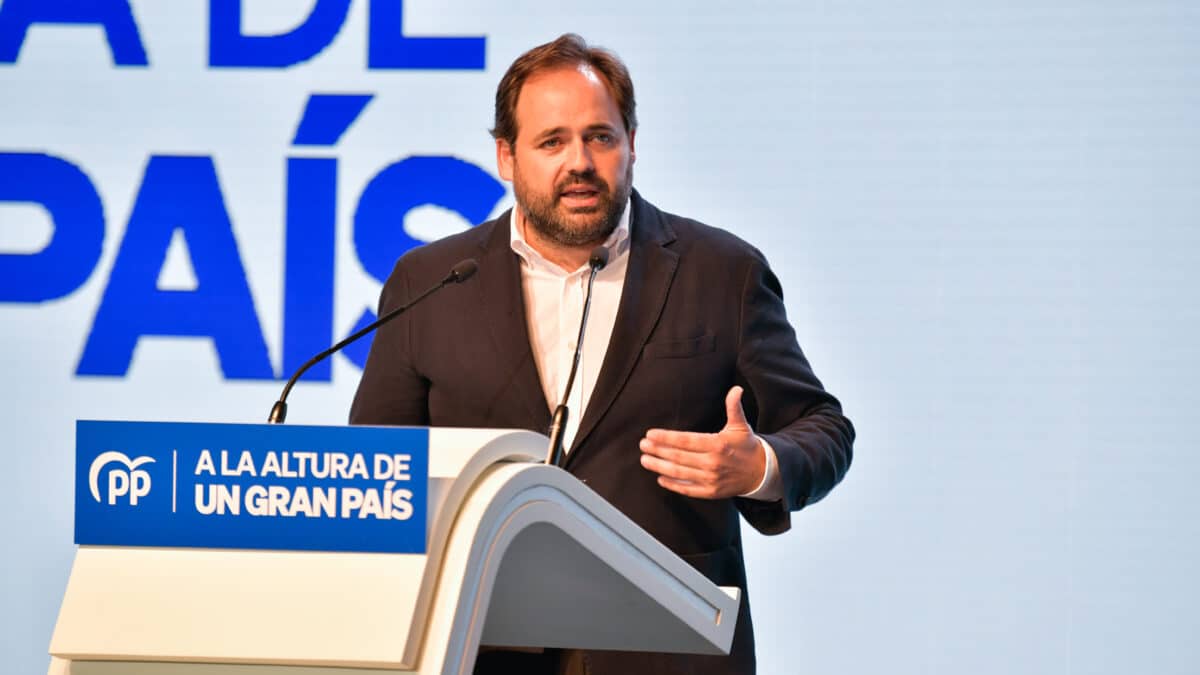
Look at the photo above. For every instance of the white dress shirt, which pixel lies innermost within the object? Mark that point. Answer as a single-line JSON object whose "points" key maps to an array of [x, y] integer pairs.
{"points": [[553, 308]]}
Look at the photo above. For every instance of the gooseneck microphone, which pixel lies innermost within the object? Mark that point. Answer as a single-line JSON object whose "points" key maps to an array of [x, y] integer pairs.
{"points": [[597, 260], [462, 271]]}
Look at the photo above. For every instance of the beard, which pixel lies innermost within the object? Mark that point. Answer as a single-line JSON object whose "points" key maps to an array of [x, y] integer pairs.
{"points": [[575, 227]]}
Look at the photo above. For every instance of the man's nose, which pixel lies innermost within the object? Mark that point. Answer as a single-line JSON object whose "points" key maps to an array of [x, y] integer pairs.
{"points": [[579, 157]]}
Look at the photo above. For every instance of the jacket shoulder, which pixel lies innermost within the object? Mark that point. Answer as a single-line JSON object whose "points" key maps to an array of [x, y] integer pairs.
{"points": [[691, 236], [435, 258]]}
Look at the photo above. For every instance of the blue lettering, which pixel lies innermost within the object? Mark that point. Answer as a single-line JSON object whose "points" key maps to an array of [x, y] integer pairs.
{"points": [[327, 116], [308, 283], [228, 47], [447, 182], [309, 265], [389, 47], [178, 193], [16, 16], [78, 218]]}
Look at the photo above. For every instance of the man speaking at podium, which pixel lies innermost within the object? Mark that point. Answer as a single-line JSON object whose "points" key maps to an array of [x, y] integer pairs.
{"points": [[693, 401]]}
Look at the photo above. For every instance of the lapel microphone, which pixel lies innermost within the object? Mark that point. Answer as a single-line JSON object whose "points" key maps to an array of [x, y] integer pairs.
{"points": [[461, 271], [597, 260]]}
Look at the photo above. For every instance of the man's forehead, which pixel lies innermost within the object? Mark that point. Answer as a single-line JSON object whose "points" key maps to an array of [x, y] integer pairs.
{"points": [[559, 88], [562, 73], [569, 97]]}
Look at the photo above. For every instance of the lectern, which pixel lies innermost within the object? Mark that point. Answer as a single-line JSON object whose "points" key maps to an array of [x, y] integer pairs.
{"points": [[513, 553]]}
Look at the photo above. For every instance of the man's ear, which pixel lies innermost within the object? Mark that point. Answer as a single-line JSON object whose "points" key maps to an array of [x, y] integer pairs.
{"points": [[632, 152], [504, 159]]}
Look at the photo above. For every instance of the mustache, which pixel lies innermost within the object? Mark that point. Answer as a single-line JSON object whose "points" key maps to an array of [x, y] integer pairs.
{"points": [[577, 180]]}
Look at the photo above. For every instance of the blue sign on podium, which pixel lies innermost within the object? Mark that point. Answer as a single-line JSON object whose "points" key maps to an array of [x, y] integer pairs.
{"points": [[252, 486]]}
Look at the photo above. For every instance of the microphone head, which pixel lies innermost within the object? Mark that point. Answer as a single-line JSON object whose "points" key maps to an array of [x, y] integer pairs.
{"points": [[599, 258], [463, 270]]}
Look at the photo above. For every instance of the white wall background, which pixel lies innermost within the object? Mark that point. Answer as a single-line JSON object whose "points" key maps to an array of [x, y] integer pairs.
{"points": [[986, 217]]}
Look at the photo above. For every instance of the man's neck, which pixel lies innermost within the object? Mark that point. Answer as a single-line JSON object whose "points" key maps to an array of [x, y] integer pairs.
{"points": [[569, 258]]}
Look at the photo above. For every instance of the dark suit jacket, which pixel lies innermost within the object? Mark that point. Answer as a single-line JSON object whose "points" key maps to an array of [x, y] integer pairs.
{"points": [[700, 312]]}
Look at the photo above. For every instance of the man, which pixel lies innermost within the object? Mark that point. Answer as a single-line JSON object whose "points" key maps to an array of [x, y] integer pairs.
{"points": [[687, 349]]}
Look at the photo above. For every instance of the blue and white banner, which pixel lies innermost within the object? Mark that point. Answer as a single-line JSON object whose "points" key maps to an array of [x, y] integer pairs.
{"points": [[253, 486]]}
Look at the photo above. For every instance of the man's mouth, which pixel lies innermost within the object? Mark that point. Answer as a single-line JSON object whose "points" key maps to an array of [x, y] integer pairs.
{"points": [[579, 195]]}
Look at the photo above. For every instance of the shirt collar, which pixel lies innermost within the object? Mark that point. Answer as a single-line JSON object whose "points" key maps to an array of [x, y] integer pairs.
{"points": [[617, 243]]}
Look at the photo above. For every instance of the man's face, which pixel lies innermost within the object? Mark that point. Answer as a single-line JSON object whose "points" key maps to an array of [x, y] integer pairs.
{"points": [[572, 163]]}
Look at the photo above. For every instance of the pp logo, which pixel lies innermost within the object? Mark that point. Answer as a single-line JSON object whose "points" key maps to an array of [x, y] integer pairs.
{"points": [[130, 482]]}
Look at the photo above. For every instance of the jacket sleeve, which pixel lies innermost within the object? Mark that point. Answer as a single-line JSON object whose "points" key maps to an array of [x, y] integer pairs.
{"points": [[786, 405]]}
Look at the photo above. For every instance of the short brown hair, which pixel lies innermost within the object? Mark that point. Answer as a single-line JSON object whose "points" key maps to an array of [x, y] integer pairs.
{"points": [[567, 50]]}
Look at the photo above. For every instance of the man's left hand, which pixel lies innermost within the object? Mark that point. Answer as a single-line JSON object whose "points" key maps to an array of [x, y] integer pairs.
{"points": [[728, 463]]}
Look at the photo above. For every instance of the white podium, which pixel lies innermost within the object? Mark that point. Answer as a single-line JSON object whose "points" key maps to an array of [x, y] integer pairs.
{"points": [[519, 554]]}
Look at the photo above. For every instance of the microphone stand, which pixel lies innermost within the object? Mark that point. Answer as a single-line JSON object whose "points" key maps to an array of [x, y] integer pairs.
{"points": [[458, 274], [558, 424]]}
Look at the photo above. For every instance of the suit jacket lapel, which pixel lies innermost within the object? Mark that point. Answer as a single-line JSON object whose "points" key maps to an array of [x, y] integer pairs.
{"points": [[647, 280], [503, 306]]}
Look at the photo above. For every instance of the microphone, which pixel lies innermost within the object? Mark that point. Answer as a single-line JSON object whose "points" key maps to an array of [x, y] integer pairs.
{"points": [[597, 260], [461, 271]]}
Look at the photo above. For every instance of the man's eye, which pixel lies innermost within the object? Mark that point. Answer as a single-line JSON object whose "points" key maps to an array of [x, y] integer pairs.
{"points": [[551, 143], [606, 139]]}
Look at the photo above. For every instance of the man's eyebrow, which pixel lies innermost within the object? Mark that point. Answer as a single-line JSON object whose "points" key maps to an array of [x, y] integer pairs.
{"points": [[549, 132], [598, 126]]}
